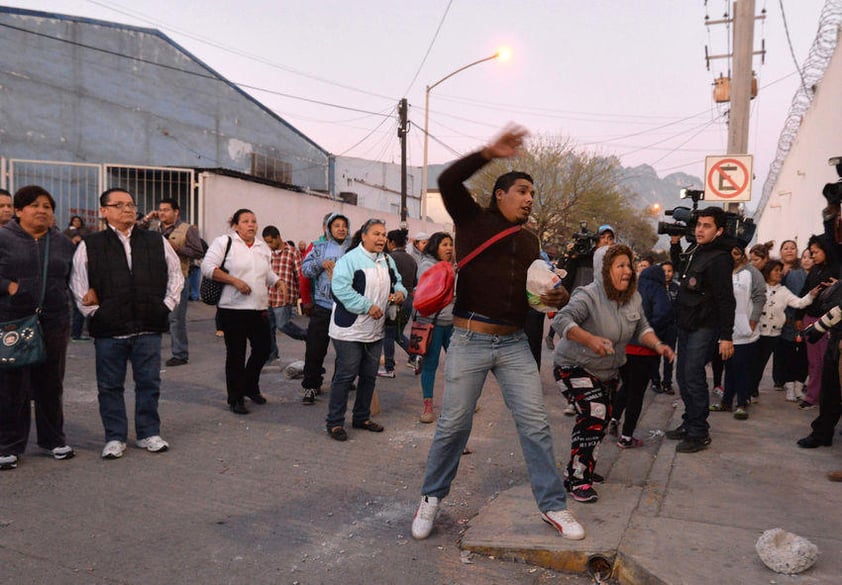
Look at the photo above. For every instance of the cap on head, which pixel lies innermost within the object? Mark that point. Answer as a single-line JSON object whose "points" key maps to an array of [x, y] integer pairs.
{"points": [[605, 228], [421, 237]]}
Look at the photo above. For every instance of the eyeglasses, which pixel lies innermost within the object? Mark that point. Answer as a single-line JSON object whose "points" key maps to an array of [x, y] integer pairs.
{"points": [[121, 206]]}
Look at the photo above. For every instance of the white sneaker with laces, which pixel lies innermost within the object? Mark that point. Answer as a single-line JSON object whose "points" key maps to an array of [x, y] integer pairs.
{"points": [[113, 450], [153, 444], [63, 452], [422, 523], [565, 523]]}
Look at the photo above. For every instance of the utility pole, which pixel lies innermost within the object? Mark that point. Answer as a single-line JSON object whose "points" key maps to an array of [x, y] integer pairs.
{"points": [[403, 128], [740, 78], [740, 110]]}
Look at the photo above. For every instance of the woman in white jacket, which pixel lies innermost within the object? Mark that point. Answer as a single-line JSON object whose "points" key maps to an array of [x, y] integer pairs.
{"points": [[773, 319], [750, 294], [243, 307]]}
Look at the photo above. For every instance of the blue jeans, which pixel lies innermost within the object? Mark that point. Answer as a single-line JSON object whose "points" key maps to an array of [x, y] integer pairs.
{"points": [[439, 340], [391, 335], [112, 355], [194, 280], [695, 349], [353, 359], [280, 319], [178, 326], [470, 357]]}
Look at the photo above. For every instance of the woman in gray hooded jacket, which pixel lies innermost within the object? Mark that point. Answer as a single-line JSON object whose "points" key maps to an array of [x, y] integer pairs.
{"points": [[595, 326]]}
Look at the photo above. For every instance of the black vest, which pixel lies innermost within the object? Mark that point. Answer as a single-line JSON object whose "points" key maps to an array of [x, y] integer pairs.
{"points": [[130, 301]]}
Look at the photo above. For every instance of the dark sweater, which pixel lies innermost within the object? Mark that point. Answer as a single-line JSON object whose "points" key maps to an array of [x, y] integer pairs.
{"points": [[706, 294], [494, 283], [20, 262]]}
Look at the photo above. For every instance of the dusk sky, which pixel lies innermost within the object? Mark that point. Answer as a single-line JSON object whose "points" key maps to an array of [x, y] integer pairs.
{"points": [[622, 77]]}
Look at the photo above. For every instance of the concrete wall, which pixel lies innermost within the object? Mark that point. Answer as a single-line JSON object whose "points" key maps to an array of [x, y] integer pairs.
{"points": [[793, 210], [141, 99], [298, 216]]}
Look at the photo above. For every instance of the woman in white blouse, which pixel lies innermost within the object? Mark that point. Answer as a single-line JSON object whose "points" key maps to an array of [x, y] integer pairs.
{"points": [[243, 307]]}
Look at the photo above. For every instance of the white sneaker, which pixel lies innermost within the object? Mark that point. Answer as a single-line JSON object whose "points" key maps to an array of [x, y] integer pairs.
{"points": [[113, 450], [63, 452], [153, 444], [565, 523], [384, 373], [8, 462], [422, 523], [570, 409]]}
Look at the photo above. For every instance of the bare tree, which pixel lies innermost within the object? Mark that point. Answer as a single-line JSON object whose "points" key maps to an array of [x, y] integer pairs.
{"points": [[571, 187]]}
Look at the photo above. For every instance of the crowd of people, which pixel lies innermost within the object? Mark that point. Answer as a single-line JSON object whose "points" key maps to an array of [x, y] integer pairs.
{"points": [[625, 322]]}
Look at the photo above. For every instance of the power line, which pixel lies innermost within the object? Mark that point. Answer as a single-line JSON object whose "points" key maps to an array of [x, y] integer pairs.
{"points": [[791, 49], [429, 48]]}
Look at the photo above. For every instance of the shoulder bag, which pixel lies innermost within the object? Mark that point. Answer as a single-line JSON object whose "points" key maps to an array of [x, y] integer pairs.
{"points": [[210, 290], [22, 340], [436, 286]]}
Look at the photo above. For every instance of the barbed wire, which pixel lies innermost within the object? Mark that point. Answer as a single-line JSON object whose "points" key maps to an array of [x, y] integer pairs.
{"points": [[812, 72]]}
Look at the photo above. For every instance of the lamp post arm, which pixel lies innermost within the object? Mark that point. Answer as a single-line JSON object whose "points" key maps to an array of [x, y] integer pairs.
{"points": [[461, 69]]}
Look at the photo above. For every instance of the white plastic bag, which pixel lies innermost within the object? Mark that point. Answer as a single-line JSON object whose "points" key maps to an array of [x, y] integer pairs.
{"points": [[540, 279]]}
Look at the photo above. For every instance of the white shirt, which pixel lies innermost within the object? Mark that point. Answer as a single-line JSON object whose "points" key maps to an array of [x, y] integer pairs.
{"points": [[79, 283], [251, 264]]}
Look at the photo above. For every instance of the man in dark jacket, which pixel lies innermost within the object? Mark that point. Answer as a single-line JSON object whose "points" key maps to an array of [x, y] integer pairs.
{"points": [[705, 311], [407, 267], [489, 317], [127, 280]]}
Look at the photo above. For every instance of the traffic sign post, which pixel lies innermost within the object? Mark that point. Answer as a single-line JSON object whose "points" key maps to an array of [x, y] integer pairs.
{"points": [[728, 178]]}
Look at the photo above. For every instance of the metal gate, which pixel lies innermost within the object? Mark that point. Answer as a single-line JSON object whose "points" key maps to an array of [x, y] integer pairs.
{"points": [[76, 187]]}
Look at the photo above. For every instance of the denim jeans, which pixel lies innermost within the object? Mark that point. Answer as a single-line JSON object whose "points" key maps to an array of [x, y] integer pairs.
{"points": [[112, 355], [280, 319], [439, 340], [469, 360], [178, 326], [391, 334], [695, 349], [353, 359], [194, 281], [739, 374]]}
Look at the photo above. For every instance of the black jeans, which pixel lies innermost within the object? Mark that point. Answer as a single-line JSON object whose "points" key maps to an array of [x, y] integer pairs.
{"points": [[242, 378], [43, 384], [316, 348], [634, 376]]}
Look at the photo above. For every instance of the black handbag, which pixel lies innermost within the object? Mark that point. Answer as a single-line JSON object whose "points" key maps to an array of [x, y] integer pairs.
{"points": [[22, 340], [210, 290]]}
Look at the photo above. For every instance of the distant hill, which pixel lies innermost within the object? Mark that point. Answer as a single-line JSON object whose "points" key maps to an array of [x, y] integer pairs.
{"points": [[652, 189]]}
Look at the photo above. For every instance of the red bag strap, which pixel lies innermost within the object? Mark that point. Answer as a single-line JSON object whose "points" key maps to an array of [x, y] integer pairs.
{"points": [[495, 238]]}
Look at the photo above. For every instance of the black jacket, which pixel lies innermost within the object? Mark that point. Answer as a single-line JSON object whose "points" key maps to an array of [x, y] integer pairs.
{"points": [[706, 294]]}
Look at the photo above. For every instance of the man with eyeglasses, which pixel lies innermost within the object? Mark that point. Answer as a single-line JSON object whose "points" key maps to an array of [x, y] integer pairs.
{"points": [[127, 281]]}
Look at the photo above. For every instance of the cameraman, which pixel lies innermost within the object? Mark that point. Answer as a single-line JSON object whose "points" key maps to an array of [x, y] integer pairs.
{"points": [[705, 310], [581, 268]]}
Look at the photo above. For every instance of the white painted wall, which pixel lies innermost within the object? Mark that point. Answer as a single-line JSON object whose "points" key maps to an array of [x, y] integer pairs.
{"points": [[298, 216], [793, 210]]}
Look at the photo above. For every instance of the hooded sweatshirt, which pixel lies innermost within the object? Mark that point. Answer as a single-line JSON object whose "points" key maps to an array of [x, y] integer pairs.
{"points": [[329, 249], [592, 310]]}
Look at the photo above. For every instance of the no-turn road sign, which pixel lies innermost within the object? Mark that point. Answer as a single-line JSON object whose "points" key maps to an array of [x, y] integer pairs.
{"points": [[728, 178]]}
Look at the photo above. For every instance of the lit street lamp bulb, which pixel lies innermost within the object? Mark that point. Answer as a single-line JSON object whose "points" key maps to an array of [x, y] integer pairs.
{"points": [[504, 54]]}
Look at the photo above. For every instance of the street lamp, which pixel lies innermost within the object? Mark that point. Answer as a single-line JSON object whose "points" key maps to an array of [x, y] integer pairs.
{"points": [[502, 54]]}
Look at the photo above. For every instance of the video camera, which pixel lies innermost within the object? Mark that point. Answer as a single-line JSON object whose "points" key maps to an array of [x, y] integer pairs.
{"points": [[685, 218], [583, 240], [736, 225], [833, 191]]}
